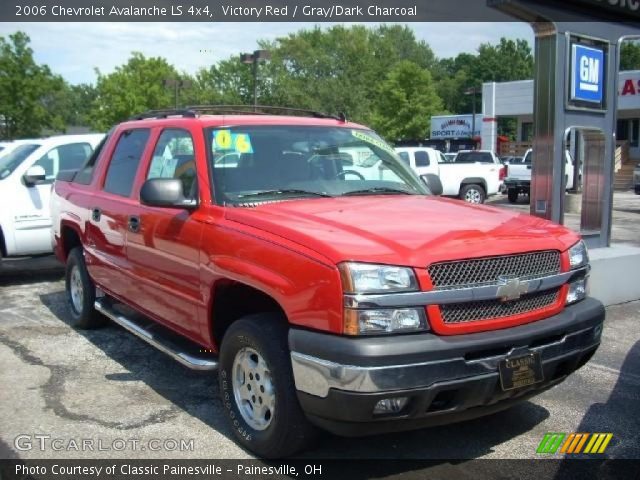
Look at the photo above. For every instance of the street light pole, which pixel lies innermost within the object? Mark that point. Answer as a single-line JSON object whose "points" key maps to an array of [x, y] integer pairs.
{"points": [[254, 59], [177, 85]]}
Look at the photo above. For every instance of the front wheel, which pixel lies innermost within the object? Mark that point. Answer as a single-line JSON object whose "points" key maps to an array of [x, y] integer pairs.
{"points": [[472, 193], [257, 388]]}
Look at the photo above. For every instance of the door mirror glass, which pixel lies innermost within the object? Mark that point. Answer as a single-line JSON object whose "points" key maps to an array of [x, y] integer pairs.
{"points": [[165, 192], [36, 174]]}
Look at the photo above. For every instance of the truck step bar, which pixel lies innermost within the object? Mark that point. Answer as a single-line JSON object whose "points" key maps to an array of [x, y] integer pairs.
{"points": [[187, 353]]}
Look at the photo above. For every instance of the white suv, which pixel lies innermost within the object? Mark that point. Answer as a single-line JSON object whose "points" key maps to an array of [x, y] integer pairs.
{"points": [[27, 172]]}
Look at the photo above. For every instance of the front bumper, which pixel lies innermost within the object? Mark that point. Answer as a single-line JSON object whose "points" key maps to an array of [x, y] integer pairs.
{"points": [[447, 378]]}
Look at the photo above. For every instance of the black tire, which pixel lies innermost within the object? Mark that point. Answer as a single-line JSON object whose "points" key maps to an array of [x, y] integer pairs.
{"points": [[474, 190], [289, 431], [512, 193], [85, 316]]}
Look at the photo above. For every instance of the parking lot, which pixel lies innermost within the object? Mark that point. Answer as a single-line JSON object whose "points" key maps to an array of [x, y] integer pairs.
{"points": [[108, 386]]}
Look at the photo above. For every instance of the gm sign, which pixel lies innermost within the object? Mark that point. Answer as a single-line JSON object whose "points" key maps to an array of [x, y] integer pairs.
{"points": [[587, 76]]}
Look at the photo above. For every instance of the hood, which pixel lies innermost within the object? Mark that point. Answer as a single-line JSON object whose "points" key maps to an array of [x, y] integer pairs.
{"points": [[407, 230]]}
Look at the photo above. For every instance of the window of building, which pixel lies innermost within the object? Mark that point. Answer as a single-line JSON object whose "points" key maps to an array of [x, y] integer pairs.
{"points": [[124, 162], [627, 130], [526, 132]]}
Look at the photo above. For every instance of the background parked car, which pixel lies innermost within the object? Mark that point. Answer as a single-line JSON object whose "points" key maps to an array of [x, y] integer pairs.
{"points": [[26, 175], [473, 176]]}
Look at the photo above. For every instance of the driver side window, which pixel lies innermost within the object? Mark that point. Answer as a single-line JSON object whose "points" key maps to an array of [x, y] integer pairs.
{"points": [[174, 157]]}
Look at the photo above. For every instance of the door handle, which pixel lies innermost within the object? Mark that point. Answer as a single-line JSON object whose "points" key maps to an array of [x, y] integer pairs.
{"points": [[96, 213], [134, 223]]}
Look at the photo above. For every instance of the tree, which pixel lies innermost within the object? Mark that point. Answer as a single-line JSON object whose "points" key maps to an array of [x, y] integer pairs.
{"points": [[507, 61], [338, 69], [132, 88], [630, 56], [27, 91], [407, 99]]}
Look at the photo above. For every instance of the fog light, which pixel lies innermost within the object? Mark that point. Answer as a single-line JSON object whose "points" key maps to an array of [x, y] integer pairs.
{"points": [[372, 322], [390, 405], [577, 291]]}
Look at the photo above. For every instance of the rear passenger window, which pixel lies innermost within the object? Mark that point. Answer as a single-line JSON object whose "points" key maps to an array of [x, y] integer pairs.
{"points": [[404, 156], [173, 157], [422, 158], [124, 162]]}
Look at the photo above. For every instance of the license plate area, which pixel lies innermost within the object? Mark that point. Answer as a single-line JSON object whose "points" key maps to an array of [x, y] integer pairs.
{"points": [[520, 371]]}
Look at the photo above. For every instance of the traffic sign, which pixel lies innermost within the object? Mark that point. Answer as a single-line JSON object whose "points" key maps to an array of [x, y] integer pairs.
{"points": [[587, 74]]}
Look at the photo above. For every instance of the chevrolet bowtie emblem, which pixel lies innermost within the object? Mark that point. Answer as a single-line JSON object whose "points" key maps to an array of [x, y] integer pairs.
{"points": [[511, 288]]}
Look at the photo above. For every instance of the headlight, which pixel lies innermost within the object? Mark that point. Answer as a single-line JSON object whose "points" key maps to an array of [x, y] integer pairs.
{"points": [[368, 278], [578, 256], [375, 322]]}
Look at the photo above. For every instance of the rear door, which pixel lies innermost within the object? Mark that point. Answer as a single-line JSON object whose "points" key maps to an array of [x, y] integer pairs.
{"points": [[163, 244], [108, 214]]}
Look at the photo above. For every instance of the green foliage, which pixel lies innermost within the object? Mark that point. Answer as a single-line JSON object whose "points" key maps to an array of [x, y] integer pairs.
{"points": [[132, 88], [27, 91], [406, 100], [507, 61], [630, 56]]}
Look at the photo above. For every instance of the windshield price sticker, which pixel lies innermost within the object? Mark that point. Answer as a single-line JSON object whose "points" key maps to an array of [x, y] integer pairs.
{"points": [[373, 141], [226, 141]]}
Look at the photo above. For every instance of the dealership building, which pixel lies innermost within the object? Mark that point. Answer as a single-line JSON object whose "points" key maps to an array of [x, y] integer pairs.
{"points": [[515, 100]]}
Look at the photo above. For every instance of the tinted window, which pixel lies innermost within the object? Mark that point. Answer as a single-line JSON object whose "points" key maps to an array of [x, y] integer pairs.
{"points": [[473, 157], [64, 157], [527, 158], [422, 158], [173, 158], [124, 162], [404, 156], [85, 175]]}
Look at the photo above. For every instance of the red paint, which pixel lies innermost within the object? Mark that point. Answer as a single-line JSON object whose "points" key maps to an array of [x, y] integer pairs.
{"points": [[287, 250]]}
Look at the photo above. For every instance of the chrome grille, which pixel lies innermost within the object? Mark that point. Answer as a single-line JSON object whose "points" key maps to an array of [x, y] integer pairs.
{"points": [[486, 270], [486, 309]]}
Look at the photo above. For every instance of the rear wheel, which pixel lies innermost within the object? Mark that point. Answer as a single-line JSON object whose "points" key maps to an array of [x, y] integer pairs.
{"points": [[257, 387], [81, 293], [472, 193], [512, 193]]}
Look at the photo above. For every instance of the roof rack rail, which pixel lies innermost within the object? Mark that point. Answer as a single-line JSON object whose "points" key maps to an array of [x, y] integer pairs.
{"points": [[263, 110], [193, 110], [182, 112]]}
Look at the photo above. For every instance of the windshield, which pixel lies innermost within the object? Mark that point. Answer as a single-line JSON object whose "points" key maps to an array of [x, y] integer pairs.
{"points": [[13, 159], [284, 162]]}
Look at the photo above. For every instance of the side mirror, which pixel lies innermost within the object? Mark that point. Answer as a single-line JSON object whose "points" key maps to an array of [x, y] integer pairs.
{"points": [[433, 182], [34, 175], [165, 192]]}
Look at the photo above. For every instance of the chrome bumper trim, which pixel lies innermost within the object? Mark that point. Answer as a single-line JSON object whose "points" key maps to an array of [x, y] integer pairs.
{"points": [[459, 295], [317, 376]]}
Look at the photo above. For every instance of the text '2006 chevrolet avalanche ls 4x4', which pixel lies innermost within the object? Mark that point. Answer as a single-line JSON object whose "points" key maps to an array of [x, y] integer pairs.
{"points": [[255, 245]]}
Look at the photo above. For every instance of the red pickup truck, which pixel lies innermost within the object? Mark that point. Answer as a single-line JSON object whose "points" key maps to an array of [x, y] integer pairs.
{"points": [[328, 290]]}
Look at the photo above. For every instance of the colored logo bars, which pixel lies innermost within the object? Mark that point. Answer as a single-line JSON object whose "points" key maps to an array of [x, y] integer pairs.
{"points": [[574, 443]]}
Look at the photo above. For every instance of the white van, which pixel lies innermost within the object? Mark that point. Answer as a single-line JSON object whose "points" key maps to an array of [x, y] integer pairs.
{"points": [[27, 173]]}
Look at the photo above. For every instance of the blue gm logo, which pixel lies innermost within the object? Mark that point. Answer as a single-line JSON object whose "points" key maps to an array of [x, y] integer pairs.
{"points": [[587, 74]]}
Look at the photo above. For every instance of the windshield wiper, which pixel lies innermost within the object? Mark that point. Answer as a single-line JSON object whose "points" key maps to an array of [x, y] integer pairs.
{"points": [[285, 191], [378, 190]]}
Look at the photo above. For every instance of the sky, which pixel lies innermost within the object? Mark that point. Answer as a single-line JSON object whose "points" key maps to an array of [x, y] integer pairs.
{"points": [[75, 50]]}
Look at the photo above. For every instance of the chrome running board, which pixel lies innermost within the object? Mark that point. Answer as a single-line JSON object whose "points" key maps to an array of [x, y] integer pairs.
{"points": [[184, 351]]}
